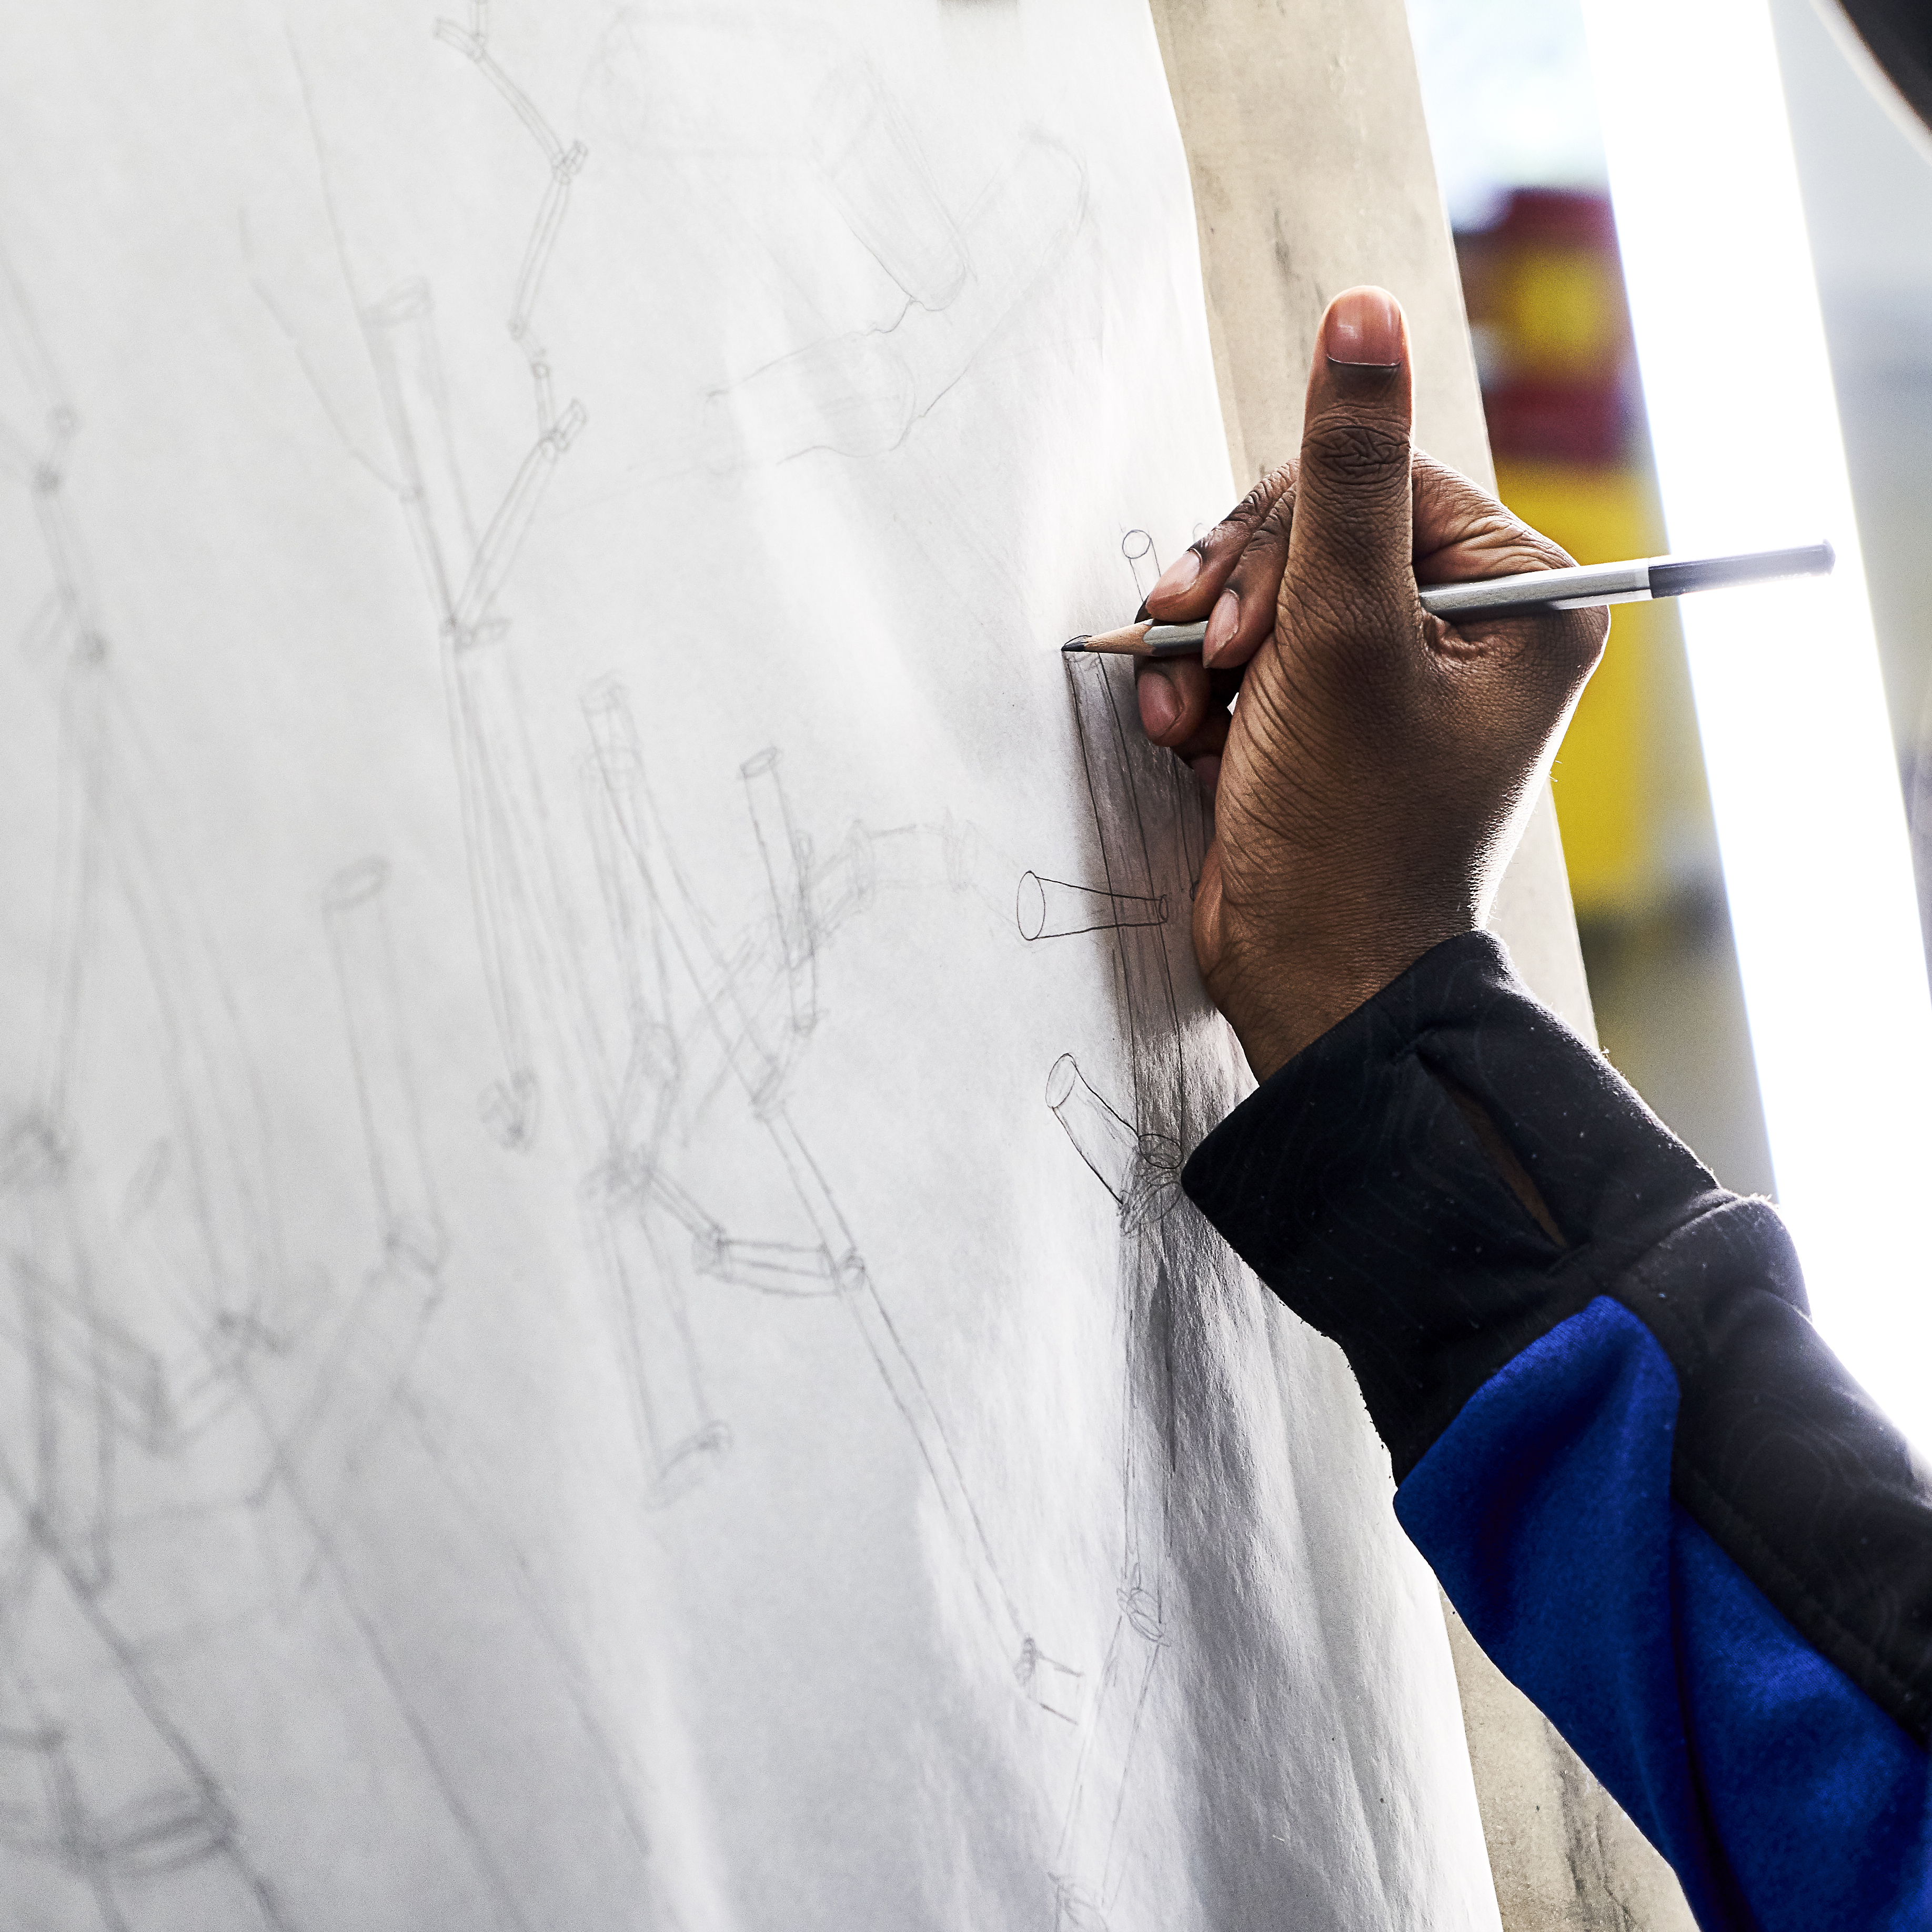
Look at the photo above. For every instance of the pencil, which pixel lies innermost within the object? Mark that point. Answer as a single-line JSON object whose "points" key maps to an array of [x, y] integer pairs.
{"points": [[1578, 588]]}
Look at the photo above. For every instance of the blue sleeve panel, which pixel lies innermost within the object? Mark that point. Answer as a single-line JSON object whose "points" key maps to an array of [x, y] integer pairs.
{"points": [[1659, 1502], [1781, 1793]]}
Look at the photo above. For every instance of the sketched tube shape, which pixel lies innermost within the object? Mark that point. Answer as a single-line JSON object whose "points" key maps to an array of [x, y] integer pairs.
{"points": [[788, 869], [1103, 1140], [770, 1268], [355, 912], [1057, 908], [400, 331], [1137, 547]]}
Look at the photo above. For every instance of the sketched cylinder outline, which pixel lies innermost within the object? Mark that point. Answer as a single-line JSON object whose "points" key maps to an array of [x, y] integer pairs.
{"points": [[1058, 908], [1143, 559]]}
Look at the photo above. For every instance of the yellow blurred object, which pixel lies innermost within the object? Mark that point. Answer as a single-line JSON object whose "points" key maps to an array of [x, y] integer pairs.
{"points": [[1561, 311], [1609, 801]]}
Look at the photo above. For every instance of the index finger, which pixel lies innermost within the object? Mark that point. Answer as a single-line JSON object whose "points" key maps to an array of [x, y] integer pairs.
{"points": [[1189, 585]]}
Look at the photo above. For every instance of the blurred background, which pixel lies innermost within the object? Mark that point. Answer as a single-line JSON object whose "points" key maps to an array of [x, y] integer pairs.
{"points": [[1512, 118]]}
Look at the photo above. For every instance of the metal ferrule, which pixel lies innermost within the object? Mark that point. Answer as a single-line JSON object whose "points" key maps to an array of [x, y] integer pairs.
{"points": [[1175, 640]]}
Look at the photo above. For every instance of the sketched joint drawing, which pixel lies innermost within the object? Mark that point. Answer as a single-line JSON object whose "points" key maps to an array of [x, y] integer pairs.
{"points": [[522, 927], [733, 1018], [1141, 1171], [556, 1069]]}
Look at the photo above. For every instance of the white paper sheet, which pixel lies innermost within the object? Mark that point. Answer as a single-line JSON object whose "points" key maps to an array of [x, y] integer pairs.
{"points": [[599, 1330]]}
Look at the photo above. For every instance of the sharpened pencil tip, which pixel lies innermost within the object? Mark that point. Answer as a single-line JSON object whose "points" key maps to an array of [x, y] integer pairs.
{"points": [[1075, 643]]}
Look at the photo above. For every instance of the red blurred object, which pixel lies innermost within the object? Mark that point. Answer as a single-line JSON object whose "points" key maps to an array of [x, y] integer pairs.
{"points": [[1558, 422], [1558, 214], [1545, 293]]}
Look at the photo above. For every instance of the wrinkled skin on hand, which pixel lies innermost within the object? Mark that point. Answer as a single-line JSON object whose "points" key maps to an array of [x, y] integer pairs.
{"points": [[1373, 779]]}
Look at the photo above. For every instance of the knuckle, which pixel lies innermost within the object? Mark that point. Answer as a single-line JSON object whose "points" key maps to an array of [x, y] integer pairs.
{"points": [[1518, 549], [1261, 573], [1437, 483], [1538, 551], [1432, 473], [1263, 556], [1364, 453], [1355, 617], [1274, 533], [1254, 507]]}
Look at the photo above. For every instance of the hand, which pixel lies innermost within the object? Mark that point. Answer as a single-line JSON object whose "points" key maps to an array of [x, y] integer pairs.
{"points": [[1373, 778]]}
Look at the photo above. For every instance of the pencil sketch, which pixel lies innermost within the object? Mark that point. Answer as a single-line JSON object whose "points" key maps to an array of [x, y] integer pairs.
{"points": [[1138, 1164], [533, 947], [555, 1063], [1141, 1170], [102, 1789], [859, 393], [885, 327], [353, 909], [1181, 810], [705, 1015], [170, 1374], [1137, 547], [1058, 909], [1149, 831], [360, 1429], [564, 162], [872, 166], [586, 1338], [697, 1014]]}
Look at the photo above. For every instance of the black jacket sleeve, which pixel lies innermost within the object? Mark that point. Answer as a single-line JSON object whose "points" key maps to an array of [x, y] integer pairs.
{"points": [[1633, 1430]]}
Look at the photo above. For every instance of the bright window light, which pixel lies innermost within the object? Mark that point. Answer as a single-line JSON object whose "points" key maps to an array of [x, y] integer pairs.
{"points": [[1790, 707]]}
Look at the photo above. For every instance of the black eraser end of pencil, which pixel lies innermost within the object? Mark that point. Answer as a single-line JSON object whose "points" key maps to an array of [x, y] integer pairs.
{"points": [[1721, 573]]}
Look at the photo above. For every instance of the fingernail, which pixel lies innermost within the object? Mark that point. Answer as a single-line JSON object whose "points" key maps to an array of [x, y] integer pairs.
{"points": [[1221, 622], [1364, 326], [1207, 775], [1176, 577], [1160, 704]]}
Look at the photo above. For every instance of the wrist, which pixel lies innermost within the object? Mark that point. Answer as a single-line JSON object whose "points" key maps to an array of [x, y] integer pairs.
{"points": [[1276, 1012], [1280, 999], [1283, 974]]}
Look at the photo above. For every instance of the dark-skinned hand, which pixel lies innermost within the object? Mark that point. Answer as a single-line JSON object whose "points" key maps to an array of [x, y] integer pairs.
{"points": [[1371, 781]]}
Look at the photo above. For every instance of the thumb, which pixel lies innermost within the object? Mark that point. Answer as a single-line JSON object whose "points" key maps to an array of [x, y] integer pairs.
{"points": [[1350, 551]]}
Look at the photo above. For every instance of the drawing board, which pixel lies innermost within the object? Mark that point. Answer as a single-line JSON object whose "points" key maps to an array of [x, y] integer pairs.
{"points": [[598, 1329]]}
